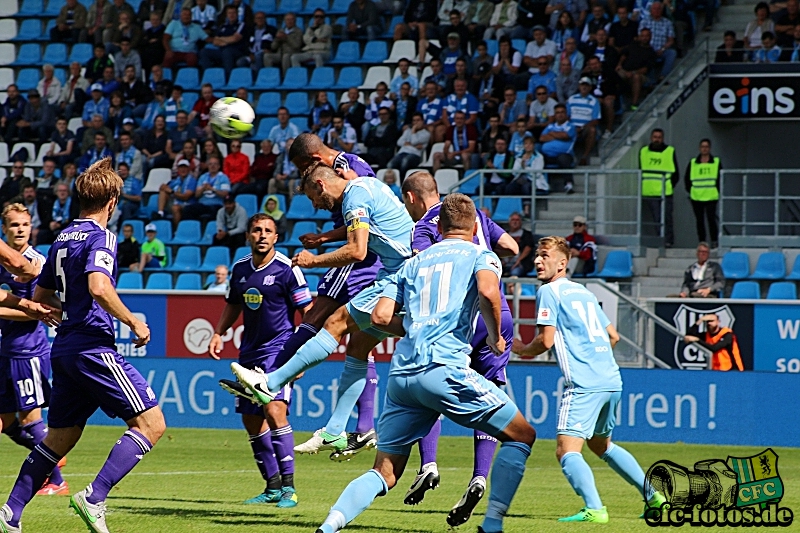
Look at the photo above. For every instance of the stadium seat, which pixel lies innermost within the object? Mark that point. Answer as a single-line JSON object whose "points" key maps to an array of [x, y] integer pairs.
{"points": [[27, 79], [130, 280], [215, 76], [240, 77], [208, 234], [30, 147], [771, 266], [268, 78], [43, 249], [471, 183], [55, 54], [428, 163], [281, 201], [312, 5], [326, 227], [188, 78], [267, 6], [187, 232], [29, 30], [189, 99], [146, 210], [187, 259], [6, 77], [736, 265], [268, 104], [282, 250], [313, 282], [446, 179], [389, 33], [240, 253], [163, 230], [297, 103], [339, 7], [8, 8], [249, 202], [54, 8], [528, 289], [138, 229], [188, 281], [289, 6], [296, 78], [782, 290], [795, 273], [301, 123], [504, 208], [519, 45], [215, 255], [249, 149], [619, 264], [81, 52], [156, 178], [346, 54], [300, 209], [402, 49], [374, 52], [348, 77], [159, 281], [264, 127], [746, 290], [31, 8], [376, 75], [321, 78], [7, 54], [300, 228]]}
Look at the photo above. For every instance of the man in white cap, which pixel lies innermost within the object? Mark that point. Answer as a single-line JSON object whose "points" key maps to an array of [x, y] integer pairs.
{"points": [[582, 248], [154, 254], [584, 113], [98, 105]]}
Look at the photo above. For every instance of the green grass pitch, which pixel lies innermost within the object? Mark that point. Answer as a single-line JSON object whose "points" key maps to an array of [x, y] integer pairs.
{"points": [[194, 481]]}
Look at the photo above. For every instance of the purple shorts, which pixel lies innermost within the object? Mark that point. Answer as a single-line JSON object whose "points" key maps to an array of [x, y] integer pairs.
{"points": [[486, 363], [24, 383], [343, 283], [246, 407], [86, 381]]}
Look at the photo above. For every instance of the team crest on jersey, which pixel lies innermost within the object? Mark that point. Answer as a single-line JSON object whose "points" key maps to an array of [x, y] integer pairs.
{"points": [[252, 298], [269, 280], [5, 287]]}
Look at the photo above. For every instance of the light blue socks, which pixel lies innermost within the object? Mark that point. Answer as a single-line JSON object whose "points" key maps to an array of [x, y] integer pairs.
{"points": [[310, 354], [623, 463], [579, 475], [355, 499], [351, 385], [507, 472]]}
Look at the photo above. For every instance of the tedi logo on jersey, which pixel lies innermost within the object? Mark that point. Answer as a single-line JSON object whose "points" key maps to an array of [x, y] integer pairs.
{"points": [[252, 298], [750, 99]]}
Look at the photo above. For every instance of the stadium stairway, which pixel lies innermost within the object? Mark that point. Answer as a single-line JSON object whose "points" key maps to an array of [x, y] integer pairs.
{"points": [[665, 274]]}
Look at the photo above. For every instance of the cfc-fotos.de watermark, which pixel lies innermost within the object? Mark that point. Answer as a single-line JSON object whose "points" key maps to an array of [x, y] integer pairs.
{"points": [[738, 492]]}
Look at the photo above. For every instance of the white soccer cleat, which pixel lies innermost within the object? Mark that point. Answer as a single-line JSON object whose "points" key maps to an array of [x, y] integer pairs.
{"points": [[5, 516], [93, 515], [322, 440], [256, 381], [427, 479]]}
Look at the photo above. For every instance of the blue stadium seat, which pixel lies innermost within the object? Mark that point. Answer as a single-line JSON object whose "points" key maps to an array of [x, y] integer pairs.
{"points": [[249, 202], [267, 6], [297, 103], [492, 46], [188, 281], [268, 78], [300, 228], [374, 52], [281, 201], [163, 227], [46, 34], [301, 123], [389, 33], [471, 184], [189, 99], [208, 234], [504, 208], [286, 6], [770, 265], [188, 78], [346, 54], [268, 104], [215, 255], [240, 253], [340, 7], [54, 8], [264, 127], [313, 282], [31, 8], [28, 54], [795, 273], [349, 77], [240, 77], [130, 280], [187, 259], [61, 75], [27, 79], [215, 76], [746, 290], [736, 265], [167, 262], [159, 281], [187, 232], [321, 78], [782, 290], [138, 229], [55, 54], [619, 264], [43, 249], [519, 45], [282, 250], [312, 5], [296, 78], [326, 227], [81, 52], [146, 211], [29, 30]]}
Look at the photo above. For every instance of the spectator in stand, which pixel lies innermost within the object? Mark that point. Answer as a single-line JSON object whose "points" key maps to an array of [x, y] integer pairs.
{"points": [[177, 136], [623, 31], [236, 166], [582, 249], [181, 39], [173, 105], [178, 193], [288, 41], [459, 144], [147, 7], [321, 104], [363, 19], [260, 171], [492, 132], [187, 154], [402, 76], [70, 22], [792, 53], [483, 83], [131, 197], [405, 106], [352, 111], [324, 125], [283, 131], [36, 209], [571, 52], [73, 92], [584, 113], [431, 108], [379, 100], [99, 151], [418, 23], [499, 159], [130, 155], [455, 25], [517, 141], [479, 15], [49, 86], [152, 49], [12, 111], [95, 67], [95, 126], [200, 112], [97, 105], [154, 253], [545, 77], [60, 214], [460, 100], [62, 144], [157, 80], [756, 28], [12, 186], [95, 23], [438, 76], [154, 147], [604, 52], [528, 163], [412, 144], [565, 28], [212, 187], [119, 24], [598, 20], [128, 249], [37, 120], [316, 42], [540, 46], [604, 83], [506, 63], [243, 11], [702, 184], [557, 141], [541, 112], [769, 51], [127, 127], [261, 38], [342, 136], [108, 82], [786, 23], [703, 279], [127, 57], [45, 182], [566, 81], [503, 21], [662, 37], [731, 50], [221, 283], [117, 112], [272, 208], [660, 175], [285, 176], [210, 149], [205, 15], [135, 93], [381, 139], [635, 62], [390, 179], [228, 42], [231, 225], [153, 110], [461, 73], [521, 264]]}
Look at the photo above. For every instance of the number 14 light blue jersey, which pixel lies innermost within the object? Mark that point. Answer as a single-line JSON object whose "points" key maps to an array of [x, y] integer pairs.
{"points": [[581, 341], [439, 291]]}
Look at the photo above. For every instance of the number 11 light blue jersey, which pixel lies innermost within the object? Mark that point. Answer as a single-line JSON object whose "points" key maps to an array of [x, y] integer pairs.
{"points": [[439, 291], [581, 342]]}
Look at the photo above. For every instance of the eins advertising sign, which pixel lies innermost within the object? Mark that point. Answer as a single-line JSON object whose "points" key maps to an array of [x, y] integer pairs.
{"points": [[754, 97]]}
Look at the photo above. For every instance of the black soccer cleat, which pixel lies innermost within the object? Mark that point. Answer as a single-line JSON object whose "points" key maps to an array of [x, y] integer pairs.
{"points": [[237, 389], [356, 443], [427, 479], [462, 511]]}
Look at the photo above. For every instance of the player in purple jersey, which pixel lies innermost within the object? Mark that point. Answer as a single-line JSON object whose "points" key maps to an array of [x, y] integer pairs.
{"points": [[24, 353], [421, 196], [88, 373], [268, 290]]}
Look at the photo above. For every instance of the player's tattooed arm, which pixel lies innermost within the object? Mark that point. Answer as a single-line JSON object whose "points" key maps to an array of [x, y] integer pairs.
{"points": [[489, 297], [541, 343], [229, 316], [103, 292], [384, 317], [506, 246]]}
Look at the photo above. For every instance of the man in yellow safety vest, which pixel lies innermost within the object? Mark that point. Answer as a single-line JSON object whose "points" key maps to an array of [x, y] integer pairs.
{"points": [[660, 175], [702, 184]]}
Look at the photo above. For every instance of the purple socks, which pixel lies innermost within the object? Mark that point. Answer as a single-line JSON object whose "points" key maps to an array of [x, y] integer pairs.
{"points": [[36, 468], [264, 454], [125, 455], [366, 402], [485, 445], [29, 436], [429, 444], [283, 442]]}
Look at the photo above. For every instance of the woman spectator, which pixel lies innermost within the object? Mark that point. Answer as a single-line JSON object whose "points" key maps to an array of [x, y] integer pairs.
{"points": [[188, 153], [236, 166], [154, 147], [405, 106], [565, 28], [261, 170], [272, 208], [117, 112], [756, 28], [209, 150], [320, 103]]}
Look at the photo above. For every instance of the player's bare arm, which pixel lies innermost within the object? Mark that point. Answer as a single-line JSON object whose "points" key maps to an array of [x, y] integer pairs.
{"points": [[15, 263], [613, 336], [315, 240], [541, 343], [33, 310], [103, 292], [353, 251], [229, 316], [506, 246], [47, 297], [385, 317], [489, 297]]}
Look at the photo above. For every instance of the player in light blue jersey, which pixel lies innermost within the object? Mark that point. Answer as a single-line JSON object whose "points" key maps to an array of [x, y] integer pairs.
{"points": [[376, 222], [571, 321], [441, 289]]}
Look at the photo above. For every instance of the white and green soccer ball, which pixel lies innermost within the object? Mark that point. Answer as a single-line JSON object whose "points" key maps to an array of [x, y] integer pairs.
{"points": [[231, 117]]}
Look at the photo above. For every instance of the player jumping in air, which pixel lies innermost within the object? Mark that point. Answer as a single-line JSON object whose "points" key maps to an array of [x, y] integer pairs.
{"points": [[421, 196], [24, 353], [441, 290], [266, 287], [570, 320], [88, 373]]}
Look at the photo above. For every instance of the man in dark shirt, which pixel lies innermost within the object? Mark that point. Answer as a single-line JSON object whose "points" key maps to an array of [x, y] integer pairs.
{"points": [[731, 50], [12, 111], [635, 62], [381, 140], [624, 31], [135, 92], [785, 23], [363, 17], [97, 64], [229, 41]]}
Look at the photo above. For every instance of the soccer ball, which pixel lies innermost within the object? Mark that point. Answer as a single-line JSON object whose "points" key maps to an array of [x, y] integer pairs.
{"points": [[231, 117]]}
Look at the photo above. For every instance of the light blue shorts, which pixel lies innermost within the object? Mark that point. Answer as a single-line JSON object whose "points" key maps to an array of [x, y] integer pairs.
{"points": [[360, 309], [586, 414], [415, 401]]}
